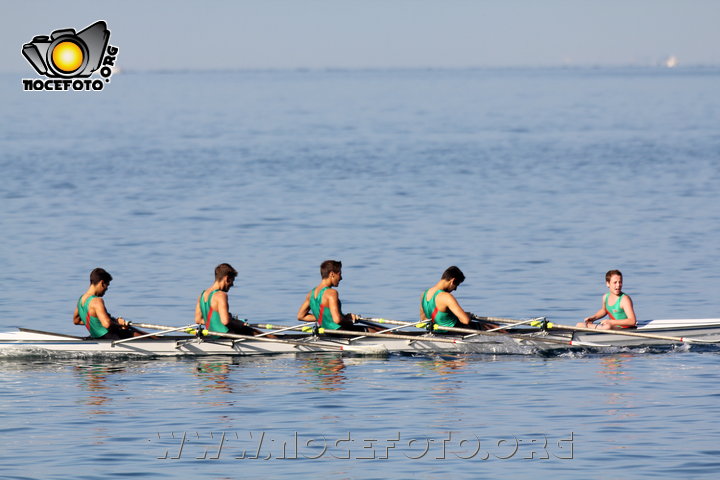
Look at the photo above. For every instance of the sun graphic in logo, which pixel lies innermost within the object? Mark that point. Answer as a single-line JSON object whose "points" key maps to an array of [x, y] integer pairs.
{"points": [[67, 56]]}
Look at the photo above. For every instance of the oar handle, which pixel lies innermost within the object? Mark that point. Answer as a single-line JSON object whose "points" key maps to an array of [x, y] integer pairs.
{"points": [[368, 321], [481, 318], [277, 328], [159, 327], [422, 324]]}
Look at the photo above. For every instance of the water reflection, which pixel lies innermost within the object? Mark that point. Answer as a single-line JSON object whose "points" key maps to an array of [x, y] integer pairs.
{"points": [[213, 376], [94, 379], [619, 402], [615, 367], [447, 365], [447, 368], [327, 371]]}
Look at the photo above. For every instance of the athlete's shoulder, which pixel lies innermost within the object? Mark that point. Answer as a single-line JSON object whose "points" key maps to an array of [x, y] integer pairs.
{"points": [[96, 304], [97, 301], [444, 298]]}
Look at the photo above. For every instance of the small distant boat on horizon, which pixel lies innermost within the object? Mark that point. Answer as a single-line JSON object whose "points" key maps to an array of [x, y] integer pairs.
{"points": [[670, 62]]}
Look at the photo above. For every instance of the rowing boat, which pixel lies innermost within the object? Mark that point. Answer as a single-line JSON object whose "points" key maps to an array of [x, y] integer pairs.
{"points": [[517, 338]]}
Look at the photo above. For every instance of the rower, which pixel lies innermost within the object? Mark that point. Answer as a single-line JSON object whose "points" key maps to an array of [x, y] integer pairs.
{"points": [[212, 307], [617, 305], [91, 312], [322, 304], [440, 306]]}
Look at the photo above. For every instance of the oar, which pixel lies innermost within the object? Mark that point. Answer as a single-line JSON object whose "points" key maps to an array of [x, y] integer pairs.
{"points": [[364, 349], [422, 324], [481, 318], [473, 332], [276, 328], [371, 320], [392, 337], [521, 336], [237, 336], [627, 333], [524, 322], [368, 321], [159, 327], [410, 324], [165, 330]]}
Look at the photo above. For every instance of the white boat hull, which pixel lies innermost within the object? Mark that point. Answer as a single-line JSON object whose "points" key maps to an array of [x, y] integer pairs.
{"points": [[523, 341]]}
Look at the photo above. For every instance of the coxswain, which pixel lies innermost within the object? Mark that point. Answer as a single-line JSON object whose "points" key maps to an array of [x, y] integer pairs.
{"points": [[617, 305]]}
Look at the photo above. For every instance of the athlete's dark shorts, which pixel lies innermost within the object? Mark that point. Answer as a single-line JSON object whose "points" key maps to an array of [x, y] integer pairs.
{"points": [[242, 330]]}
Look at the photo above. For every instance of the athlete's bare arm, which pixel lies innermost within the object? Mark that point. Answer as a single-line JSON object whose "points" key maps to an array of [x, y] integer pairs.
{"points": [[452, 304], [599, 314], [304, 314], [422, 312], [97, 309], [220, 299], [198, 312]]}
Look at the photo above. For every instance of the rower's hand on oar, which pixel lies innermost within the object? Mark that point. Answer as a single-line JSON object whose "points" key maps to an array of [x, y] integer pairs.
{"points": [[589, 322]]}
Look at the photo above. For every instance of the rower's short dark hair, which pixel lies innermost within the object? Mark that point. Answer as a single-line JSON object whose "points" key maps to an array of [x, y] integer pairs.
{"points": [[453, 272], [330, 266], [99, 275], [225, 270], [610, 274]]}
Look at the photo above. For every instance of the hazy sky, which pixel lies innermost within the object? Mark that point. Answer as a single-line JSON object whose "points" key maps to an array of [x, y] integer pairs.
{"points": [[225, 34]]}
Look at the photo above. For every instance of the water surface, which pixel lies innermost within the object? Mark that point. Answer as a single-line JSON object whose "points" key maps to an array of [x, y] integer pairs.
{"points": [[534, 182]]}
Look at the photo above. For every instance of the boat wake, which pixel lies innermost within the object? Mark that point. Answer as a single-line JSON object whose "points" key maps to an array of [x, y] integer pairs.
{"points": [[38, 353]]}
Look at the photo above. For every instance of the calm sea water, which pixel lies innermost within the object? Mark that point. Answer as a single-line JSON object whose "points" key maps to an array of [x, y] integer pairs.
{"points": [[534, 182]]}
